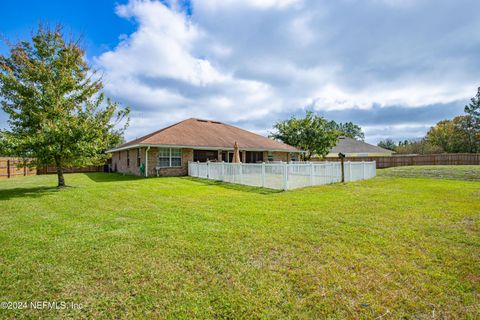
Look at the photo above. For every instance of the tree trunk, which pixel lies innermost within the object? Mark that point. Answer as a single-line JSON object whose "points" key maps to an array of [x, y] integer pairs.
{"points": [[61, 180]]}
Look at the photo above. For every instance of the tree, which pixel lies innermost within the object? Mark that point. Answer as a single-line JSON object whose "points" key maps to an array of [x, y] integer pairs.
{"points": [[451, 135], [349, 129], [57, 114], [313, 134], [421, 146], [472, 123], [473, 108], [388, 144]]}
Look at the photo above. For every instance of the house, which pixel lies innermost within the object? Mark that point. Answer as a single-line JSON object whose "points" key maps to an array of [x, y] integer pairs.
{"points": [[166, 152], [355, 148]]}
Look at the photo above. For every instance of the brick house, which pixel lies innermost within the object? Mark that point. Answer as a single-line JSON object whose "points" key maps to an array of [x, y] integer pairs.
{"points": [[166, 152]]}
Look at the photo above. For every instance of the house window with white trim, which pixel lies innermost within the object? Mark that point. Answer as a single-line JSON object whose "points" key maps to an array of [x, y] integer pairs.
{"points": [[169, 157]]}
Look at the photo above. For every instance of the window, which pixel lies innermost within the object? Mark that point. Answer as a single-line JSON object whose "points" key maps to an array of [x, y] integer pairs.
{"points": [[270, 156], [128, 158], [227, 156], [138, 157], [169, 157], [254, 157], [205, 155]]}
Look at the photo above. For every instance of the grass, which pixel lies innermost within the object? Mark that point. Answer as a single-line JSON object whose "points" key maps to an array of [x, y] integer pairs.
{"points": [[468, 173], [126, 247]]}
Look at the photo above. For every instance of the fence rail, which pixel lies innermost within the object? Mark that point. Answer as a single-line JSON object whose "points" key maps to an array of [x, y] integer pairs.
{"points": [[284, 176], [13, 167], [420, 160]]}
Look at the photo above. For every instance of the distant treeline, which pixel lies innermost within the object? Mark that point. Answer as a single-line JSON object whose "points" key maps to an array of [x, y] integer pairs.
{"points": [[458, 135]]}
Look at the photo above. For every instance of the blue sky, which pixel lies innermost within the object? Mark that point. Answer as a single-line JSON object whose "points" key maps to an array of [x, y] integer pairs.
{"points": [[395, 67]]}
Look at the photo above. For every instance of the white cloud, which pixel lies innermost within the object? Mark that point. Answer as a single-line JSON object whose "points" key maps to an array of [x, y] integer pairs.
{"points": [[256, 61]]}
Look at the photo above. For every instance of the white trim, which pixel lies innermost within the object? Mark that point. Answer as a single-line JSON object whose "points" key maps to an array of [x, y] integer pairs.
{"points": [[194, 148]]}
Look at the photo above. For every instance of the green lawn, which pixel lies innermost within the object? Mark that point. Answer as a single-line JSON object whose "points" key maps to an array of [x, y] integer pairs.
{"points": [[468, 173], [128, 247]]}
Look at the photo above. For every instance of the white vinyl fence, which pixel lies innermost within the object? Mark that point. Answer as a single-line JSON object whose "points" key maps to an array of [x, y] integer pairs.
{"points": [[284, 176]]}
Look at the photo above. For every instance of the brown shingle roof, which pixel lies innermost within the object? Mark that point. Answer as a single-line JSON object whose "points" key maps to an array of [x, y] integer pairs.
{"points": [[206, 133], [349, 145]]}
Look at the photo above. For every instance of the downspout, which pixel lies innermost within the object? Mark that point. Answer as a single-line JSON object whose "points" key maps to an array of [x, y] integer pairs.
{"points": [[146, 161]]}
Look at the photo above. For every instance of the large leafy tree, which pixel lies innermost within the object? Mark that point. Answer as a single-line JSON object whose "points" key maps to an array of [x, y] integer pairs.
{"points": [[313, 134], [57, 113], [451, 135]]}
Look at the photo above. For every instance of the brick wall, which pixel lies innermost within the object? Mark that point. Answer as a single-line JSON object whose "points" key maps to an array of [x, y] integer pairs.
{"points": [[280, 156], [187, 155], [119, 163]]}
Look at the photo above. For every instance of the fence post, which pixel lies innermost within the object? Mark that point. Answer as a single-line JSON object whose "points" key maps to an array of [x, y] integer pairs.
{"points": [[349, 170], [363, 170], [263, 174], [198, 169], [208, 170], [285, 176], [8, 168], [342, 167], [311, 173], [223, 170], [240, 172]]}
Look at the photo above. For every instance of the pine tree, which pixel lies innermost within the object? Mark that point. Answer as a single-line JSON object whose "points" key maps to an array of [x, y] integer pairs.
{"points": [[472, 122]]}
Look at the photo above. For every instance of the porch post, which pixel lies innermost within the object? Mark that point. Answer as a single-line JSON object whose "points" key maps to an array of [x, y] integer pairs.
{"points": [[146, 162]]}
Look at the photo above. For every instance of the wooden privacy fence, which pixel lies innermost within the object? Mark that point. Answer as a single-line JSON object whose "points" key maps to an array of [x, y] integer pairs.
{"points": [[13, 167], [420, 160]]}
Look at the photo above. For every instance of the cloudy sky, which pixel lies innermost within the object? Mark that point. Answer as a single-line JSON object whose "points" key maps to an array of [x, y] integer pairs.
{"points": [[395, 67]]}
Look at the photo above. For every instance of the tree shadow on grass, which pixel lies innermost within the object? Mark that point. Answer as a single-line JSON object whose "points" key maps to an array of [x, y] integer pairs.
{"points": [[110, 177], [233, 186], [35, 192]]}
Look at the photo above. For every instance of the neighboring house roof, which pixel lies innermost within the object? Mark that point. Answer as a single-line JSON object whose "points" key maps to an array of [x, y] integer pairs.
{"points": [[198, 133], [347, 145]]}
